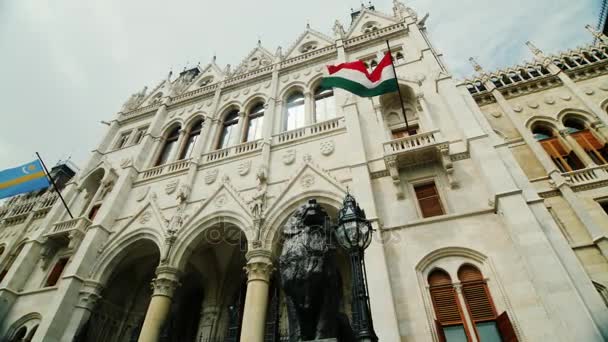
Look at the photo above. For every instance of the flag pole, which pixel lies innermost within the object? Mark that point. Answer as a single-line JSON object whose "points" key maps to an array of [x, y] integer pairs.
{"points": [[54, 185], [407, 126]]}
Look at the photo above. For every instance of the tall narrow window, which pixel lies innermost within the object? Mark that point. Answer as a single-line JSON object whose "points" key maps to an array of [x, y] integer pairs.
{"points": [[56, 272], [169, 145], [295, 112], [11, 260], [565, 160], [255, 122], [428, 200], [325, 105], [193, 134], [597, 151], [450, 322], [123, 139], [231, 121], [139, 135], [488, 325]]}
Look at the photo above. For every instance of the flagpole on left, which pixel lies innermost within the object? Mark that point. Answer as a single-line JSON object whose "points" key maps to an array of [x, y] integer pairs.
{"points": [[407, 126], [48, 174]]}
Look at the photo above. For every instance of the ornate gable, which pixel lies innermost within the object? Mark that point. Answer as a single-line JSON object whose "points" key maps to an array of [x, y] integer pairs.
{"points": [[208, 75], [368, 21], [258, 58], [308, 41]]}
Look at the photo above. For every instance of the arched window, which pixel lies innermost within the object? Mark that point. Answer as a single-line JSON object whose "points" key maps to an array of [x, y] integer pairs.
{"points": [[295, 112], [193, 134], [11, 259], [168, 146], [255, 122], [596, 149], [228, 128], [19, 335], [566, 160], [450, 323], [1, 250], [325, 105], [487, 324]]}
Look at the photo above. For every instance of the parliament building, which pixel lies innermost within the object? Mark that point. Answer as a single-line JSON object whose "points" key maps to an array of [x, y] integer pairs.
{"points": [[490, 209]]}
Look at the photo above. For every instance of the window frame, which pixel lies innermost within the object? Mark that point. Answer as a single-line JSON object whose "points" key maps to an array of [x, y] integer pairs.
{"points": [[254, 116], [285, 123], [59, 258], [195, 129], [317, 96], [143, 130], [234, 122], [123, 140], [169, 137], [440, 194]]}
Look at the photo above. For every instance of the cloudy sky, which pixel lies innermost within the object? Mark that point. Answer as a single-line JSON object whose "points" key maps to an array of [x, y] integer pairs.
{"points": [[65, 65]]}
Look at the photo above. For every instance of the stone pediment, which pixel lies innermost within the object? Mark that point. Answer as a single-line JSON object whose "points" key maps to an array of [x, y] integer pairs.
{"points": [[208, 75], [308, 41], [156, 95], [368, 21], [258, 58]]}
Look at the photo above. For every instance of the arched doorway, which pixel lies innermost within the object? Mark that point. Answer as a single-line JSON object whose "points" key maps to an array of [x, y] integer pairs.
{"points": [[120, 312]]}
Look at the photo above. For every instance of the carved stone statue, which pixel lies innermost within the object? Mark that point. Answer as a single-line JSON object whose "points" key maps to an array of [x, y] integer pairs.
{"points": [[259, 198], [309, 277]]}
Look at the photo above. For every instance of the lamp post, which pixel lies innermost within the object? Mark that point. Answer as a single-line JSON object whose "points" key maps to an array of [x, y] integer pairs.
{"points": [[354, 234]]}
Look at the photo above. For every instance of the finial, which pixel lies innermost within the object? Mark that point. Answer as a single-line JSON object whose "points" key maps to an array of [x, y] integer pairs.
{"points": [[475, 65], [352, 9], [536, 51], [597, 34], [214, 58], [307, 25], [259, 41]]}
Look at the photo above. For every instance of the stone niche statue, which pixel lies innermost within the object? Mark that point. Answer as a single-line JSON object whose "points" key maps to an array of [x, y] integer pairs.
{"points": [[310, 279]]}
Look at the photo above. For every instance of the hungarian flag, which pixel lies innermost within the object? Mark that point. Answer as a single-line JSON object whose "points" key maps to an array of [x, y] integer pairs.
{"points": [[354, 77]]}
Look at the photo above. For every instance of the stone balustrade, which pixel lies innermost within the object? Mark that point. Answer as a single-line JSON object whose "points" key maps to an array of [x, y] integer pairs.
{"points": [[587, 175], [247, 147], [160, 170], [306, 131], [65, 227], [406, 144]]}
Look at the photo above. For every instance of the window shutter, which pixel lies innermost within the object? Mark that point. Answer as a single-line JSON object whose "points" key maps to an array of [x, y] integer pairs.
{"points": [[506, 328], [440, 333], [554, 147], [56, 272], [587, 140], [446, 306], [428, 199], [478, 301]]}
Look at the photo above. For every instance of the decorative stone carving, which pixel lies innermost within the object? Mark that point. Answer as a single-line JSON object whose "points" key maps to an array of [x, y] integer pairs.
{"points": [[141, 193], [244, 167], [126, 162], [211, 176], [550, 100], [496, 114], [565, 97], [518, 108], [588, 91], [75, 237], [164, 287], [532, 104], [309, 277], [289, 157], [225, 179], [307, 181], [220, 200], [134, 101], [171, 186], [338, 30], [145, 217], [258, 201], [327, 147], [89, 296], [183, 193], [307, 158]]}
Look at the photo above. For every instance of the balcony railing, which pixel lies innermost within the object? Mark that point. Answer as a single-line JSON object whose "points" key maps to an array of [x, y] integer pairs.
{"points": [[23, 206], [65, 227], [587, 175], [415, 149], [247, 147], [166, 169], [299, 133]]}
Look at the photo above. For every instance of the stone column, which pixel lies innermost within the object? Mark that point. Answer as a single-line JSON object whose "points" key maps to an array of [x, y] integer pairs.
{"points": [[181, 140], [206, 327], [240, 129], [163, 287], [309, 108], [259, 268], [87, 301], [463, 304]]}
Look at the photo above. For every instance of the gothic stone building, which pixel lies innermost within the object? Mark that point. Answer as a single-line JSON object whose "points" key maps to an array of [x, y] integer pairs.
{"points": [[490, 211]]}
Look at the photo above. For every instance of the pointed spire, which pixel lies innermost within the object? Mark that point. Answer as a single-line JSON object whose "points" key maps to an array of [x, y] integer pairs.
{"points": [[536, 51], [259, 42], [338, 30], [475, 65], [597, 34], [214, 58], [307, 24]]}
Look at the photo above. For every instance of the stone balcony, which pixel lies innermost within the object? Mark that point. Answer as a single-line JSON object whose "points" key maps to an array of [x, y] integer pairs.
{"points": [[308, 131], [165, 169], [231, 151], [589, 177], [416, 149], [66, 229]]}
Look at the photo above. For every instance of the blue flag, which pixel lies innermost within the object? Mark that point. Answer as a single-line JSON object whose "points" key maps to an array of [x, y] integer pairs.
{"points": [[25, 178]]}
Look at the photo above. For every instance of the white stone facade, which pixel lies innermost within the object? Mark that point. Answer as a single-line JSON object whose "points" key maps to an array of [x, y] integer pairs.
{"points": [[191, 224]]}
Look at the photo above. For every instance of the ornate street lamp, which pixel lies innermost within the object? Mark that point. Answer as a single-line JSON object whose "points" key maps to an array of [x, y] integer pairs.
{"points": [[354, 234]]}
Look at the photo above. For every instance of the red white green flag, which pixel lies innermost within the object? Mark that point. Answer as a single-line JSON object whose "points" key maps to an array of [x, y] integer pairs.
{"points": [[354, 77]]}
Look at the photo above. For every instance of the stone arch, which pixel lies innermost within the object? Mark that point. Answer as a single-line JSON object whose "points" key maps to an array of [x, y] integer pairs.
{"points": [[117, 251], [29, 321], [580, 114], [473, 257], [171, 125], [543, 120], [291, 88], [253, 100], [193, 233], [279, 214], [199, 114], [604, 105], [314, 82], [391, 105], [227, 108]]}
